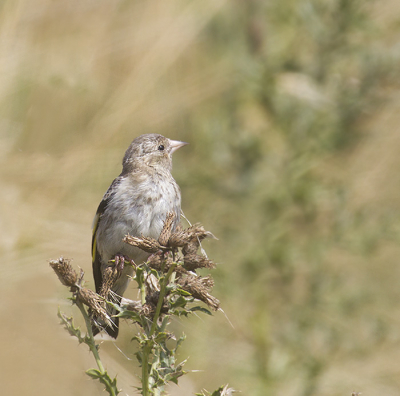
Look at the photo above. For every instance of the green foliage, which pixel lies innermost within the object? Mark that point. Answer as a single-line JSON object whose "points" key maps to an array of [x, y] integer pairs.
{"points": [[308, 76]]}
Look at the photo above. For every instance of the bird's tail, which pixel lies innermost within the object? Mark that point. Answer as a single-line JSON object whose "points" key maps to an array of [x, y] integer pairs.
{"points": [[112, 326], [98, 325]]}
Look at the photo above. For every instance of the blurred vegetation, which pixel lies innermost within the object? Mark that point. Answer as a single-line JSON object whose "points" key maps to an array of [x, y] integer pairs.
{"points": [[290, 111], [308, 75]]}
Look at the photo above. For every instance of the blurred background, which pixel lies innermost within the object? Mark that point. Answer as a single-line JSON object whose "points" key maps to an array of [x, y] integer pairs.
{"points": [[292, 112]]}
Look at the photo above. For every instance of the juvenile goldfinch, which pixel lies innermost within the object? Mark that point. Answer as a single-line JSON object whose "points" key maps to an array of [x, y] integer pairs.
{"points": [[136, 203]]}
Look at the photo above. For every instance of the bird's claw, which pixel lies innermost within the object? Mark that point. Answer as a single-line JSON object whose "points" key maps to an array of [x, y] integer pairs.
{"points": [[120, 260], [119, 263]]}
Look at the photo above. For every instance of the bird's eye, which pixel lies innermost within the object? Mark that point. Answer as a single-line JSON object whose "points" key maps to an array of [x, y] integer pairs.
{"points": [[161, 147]]}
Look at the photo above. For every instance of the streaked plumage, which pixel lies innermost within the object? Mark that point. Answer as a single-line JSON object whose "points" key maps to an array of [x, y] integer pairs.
{"points": [[136, 203]]}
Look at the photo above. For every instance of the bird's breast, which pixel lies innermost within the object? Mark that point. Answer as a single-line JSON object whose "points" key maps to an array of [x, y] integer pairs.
{"points": [[137, 209]]}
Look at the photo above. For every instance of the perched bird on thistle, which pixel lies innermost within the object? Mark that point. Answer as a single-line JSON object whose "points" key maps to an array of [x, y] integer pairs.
{"points": [[136, 203]]}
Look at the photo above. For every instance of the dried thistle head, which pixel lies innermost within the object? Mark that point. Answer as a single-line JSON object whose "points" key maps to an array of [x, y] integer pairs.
{"points": [[148, 310], [167, 229], [191, 247], [158, 259], [179, 227], [69, 277], [152, 283], [134, 306], [66, 274], [180, 237], [110, 275], [193, 261], [189, 239], [149, 245], [199, 288], [94, 302]]}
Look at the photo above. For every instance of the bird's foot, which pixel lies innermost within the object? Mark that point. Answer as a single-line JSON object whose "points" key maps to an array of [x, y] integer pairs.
{"points": [[120, 260]]}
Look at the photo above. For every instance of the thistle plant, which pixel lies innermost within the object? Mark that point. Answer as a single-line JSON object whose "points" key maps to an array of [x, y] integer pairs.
{"points": [[169, 286]]}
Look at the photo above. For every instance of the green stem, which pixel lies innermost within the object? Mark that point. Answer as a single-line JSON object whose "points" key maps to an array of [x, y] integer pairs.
{"points": [[150, 343], [157, 392], [161, 298], [143, 293], [93, 347], [164, 323], [92, 344], [145, 368]]}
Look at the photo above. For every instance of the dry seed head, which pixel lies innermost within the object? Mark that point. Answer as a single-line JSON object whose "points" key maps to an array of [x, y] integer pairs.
{"points": [[179, 227], [66, 274], [199, 288], [148, 310], [177, 239], [134, 306], [110, 275], [193, 261], [198, 231], [182, 237], [156, 261], [179, 270], [147, 244], [94, 302], [191, 247], [208, 282], [166, 231], [152, 283]]}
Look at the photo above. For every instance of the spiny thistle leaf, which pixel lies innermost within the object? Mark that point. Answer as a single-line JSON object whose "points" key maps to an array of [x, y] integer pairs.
{"points": [[68, 323], [180, 302], [105, 379], [162, 337], [201, 309], [94, 373]]}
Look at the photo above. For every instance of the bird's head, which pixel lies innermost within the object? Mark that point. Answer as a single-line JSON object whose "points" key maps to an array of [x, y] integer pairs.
{"points": [[150, 150]]}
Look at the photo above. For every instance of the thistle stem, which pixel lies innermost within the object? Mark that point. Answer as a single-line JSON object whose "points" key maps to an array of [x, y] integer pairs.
{"points": [[150, 343], [161, 298], [93, 347], [143, 293], [92, 344], [145, 368]]}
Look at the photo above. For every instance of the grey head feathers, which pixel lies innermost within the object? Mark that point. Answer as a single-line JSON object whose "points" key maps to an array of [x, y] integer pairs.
{"points": [[150, 150]]}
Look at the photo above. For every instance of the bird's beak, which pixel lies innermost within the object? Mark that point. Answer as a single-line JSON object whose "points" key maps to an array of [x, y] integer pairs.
{"points": [[175, 144]]}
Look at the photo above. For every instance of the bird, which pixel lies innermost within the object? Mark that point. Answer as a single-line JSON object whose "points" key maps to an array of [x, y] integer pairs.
{"points": [[136, 203]]}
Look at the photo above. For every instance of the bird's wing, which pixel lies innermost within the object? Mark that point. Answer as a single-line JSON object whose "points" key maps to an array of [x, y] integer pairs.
{"points": [[96, 258]]}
